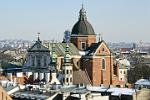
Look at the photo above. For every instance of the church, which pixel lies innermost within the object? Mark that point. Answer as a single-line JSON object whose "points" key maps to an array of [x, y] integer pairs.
{"points": [[81, 60]]}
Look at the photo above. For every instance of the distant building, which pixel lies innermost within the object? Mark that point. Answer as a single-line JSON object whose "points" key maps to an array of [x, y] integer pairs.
{"points": [[142, 83], [124, 65]]}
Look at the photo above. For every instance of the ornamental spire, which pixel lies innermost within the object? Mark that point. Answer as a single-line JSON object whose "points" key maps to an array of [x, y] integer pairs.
{"points": [[38, 38], [100, 37], [53, 56], [82, 13]]}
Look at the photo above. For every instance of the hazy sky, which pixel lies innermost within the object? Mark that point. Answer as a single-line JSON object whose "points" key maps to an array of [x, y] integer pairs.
{"points": [[119, 20]]}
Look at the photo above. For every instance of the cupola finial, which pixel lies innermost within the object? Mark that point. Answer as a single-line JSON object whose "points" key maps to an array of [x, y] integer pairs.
{"points": [[82, 13]]}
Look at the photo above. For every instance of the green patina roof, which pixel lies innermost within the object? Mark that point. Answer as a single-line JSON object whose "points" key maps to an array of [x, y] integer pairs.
{"points": [[61, 47]]}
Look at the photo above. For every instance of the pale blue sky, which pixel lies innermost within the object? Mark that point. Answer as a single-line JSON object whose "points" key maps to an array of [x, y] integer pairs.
{"points": [[119, 20]]}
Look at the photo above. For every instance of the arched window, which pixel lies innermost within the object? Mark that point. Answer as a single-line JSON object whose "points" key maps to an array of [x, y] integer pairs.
{"points": [[103, 63], [124, 72], [83, 45], [67, 80]]}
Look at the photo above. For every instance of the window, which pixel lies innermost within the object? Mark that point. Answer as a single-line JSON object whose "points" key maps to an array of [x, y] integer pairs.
{"points": [[103, 49], [99, 51], [45, 61], [38, 61], [124, 72], [81, 85], [121, 71], [103, 63], [33, 61], [67, 71], [63, 71], [83, 45], [67, 79], [70, 79], [115, 70]]}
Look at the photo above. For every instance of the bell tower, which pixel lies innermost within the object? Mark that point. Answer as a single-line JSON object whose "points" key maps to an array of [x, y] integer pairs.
{"points": [[67, 68]]}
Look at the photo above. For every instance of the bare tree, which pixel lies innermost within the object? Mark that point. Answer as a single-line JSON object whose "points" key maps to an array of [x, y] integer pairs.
{"points": [[138, 68]]}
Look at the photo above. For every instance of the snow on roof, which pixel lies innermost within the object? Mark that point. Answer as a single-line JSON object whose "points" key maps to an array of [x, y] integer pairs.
{"points": [[125, 62], [114, 91], [121, 91], [96, 89], [143, 82]]}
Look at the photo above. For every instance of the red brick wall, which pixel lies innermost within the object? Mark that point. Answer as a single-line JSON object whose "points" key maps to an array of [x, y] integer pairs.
{"points": [[88, 39], [94, 65], [94, 70], [98, 78]]}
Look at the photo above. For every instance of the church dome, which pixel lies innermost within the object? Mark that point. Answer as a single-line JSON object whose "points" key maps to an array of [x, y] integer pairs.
{"points": [[82, 27]]}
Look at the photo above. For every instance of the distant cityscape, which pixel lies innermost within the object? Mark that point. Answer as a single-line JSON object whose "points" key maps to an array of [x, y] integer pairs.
{"points": [[24, 44]]}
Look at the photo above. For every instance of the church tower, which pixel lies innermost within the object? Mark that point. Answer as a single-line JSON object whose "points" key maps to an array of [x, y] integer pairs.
{"points": [[83, 34], [52, 67], [67, 68]]}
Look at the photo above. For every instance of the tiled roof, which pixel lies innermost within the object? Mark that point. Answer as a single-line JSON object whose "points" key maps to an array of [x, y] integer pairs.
{"points": [[80, 77]]}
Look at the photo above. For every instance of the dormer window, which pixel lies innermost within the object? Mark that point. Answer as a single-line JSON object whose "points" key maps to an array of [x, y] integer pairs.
{"points": [[83, 45]]}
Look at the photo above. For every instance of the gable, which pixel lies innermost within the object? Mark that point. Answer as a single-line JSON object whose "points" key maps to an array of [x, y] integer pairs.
{"points": [[102, 49], [38, 47]]}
